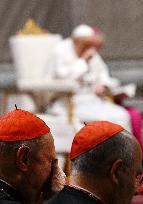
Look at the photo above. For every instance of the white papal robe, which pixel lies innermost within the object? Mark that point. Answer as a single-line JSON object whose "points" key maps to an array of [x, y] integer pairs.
{"points": [[88, 106]]}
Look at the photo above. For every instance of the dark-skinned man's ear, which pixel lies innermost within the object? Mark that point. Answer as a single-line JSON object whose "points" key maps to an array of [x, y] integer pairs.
{"points": [[22, 157]]}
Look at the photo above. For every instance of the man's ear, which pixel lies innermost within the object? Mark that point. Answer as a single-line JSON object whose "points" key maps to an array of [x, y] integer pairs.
{"points": [[115, 170], [22, 157]]}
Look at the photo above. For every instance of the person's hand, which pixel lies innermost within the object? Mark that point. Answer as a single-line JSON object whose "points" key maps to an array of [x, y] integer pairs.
{"points": [[88, 54], [56, 181], [102, 91]]}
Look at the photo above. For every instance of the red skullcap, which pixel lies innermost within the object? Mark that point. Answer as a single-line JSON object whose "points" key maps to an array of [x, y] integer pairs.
{"points": [[91, 135], [21, 125]]}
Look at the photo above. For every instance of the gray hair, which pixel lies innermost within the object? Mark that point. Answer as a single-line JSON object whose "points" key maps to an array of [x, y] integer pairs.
{"points": [[10, 148], [97, 160], [8, 154]]}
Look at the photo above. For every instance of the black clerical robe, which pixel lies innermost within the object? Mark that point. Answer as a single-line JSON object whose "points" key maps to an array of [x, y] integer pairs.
{"points": [[70, 195], [8, 195]]}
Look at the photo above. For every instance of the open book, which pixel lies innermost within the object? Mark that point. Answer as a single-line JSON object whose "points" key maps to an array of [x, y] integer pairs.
{"points": [[128, 90]]}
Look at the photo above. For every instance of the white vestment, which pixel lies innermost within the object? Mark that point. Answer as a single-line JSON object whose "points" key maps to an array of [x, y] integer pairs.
{"points": [[88, 106]]}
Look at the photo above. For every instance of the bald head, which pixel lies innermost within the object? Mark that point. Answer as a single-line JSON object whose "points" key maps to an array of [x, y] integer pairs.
{"points": [[28, 160], [109, 170], [9, 152], [27, 165], [121, 146]]}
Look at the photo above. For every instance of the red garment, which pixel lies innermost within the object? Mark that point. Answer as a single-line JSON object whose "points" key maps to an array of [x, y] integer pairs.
{"points": [[140, 190], [136, 122], [138, 199]]}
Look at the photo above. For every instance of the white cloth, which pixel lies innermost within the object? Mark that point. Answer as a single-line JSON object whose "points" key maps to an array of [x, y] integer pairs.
{"points": [[88, 106], [69, 65]]}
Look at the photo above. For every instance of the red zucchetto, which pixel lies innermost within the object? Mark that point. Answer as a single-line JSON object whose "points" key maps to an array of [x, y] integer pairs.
{"points": [[21, 125], [91, 135]]}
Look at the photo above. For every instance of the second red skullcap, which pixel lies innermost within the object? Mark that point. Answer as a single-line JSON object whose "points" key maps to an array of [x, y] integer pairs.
{"points": [[21, 125], [91, 135]]}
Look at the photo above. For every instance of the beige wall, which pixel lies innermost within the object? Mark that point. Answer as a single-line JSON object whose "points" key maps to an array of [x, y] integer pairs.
{"points": [[121, 20], [54, 15]]}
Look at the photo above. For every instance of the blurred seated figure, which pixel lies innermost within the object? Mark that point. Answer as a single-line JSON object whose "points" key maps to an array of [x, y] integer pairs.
{"points": [[76, 58]]}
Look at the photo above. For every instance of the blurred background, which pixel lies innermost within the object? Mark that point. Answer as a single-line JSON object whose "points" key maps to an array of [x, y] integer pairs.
{"points": [[121, 21]]}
